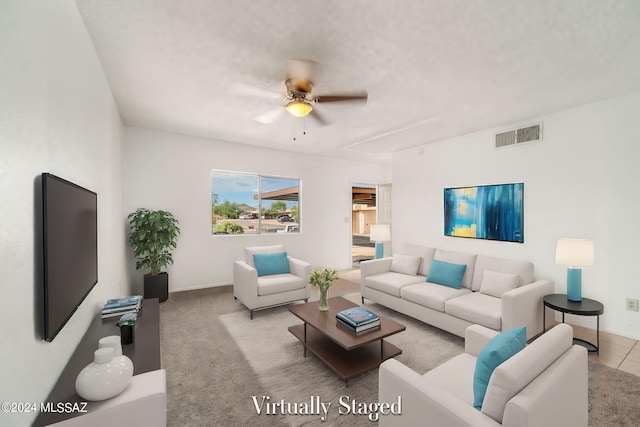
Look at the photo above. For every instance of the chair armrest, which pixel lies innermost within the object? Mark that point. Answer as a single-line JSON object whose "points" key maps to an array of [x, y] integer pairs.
{"points": [[475, 337], [523, 306], [245, 284], [373, 267], [557, 397], [423, 403], [300, 268]]}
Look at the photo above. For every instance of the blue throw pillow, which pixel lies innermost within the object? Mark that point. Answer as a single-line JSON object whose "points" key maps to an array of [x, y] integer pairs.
{"points": [[495, 352], [275, 263], [446, 273]]}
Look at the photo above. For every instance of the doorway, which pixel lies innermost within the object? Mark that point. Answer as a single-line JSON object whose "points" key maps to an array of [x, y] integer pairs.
{"points": [[363, 214]]}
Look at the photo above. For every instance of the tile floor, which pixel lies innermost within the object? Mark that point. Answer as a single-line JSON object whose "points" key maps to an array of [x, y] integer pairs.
{"points": [[617, 352]]}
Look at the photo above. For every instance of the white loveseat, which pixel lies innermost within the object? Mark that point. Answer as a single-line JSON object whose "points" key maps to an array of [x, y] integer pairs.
{"points": [[545, 384], [509, 296]]}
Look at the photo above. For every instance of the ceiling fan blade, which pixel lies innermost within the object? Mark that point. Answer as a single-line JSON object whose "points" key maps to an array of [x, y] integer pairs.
{"points": [[254, 92], [361, 97], [318, 118], [270, 116]]}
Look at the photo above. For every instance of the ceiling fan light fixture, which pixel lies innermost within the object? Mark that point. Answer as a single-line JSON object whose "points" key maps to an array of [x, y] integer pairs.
{"points": [[299, 108]]}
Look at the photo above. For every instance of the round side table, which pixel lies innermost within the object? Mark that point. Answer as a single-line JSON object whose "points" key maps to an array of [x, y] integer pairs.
{"points": [[586, 307]]}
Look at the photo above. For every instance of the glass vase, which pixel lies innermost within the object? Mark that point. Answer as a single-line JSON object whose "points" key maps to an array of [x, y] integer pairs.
{"points": [[322, 302]]}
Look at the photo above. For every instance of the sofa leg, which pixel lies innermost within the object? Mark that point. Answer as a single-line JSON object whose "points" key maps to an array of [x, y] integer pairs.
{"points": [[306, 300], [362, 299], [250, 314]]}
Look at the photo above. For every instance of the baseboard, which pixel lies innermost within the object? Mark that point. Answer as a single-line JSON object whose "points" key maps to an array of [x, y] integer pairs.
{"points": [[205, 286]]}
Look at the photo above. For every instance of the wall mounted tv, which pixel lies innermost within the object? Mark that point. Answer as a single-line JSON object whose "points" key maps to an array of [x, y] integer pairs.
{"points": [[70, 249]]}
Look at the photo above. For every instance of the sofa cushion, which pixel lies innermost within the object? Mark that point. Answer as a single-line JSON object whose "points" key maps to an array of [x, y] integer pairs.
{"points": [[390, 282], [269, 264], [431, 295], [405, 264], [516, 373], [249, 251], [524, 269], [496, 284], [455, 376], [425, 254], [477, 308], [278, 283], [446, 273], [459, 258], [499, 349]]}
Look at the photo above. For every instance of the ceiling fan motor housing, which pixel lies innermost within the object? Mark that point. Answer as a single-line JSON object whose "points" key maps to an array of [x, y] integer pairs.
{"points": [[299, 89]]}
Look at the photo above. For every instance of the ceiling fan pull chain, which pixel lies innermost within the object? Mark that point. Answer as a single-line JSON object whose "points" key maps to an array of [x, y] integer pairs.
{"points": [[293, 129]]}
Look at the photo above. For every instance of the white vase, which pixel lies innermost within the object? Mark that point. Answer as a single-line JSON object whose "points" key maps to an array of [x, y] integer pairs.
{"points": [[111, 341], [114, 342], [106, 377]]}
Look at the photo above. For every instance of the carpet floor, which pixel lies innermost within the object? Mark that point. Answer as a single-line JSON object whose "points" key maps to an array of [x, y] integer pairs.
{"points": [[217, 359]]}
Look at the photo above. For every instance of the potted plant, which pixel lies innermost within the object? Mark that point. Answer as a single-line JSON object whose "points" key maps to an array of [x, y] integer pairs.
{"points": [[323, 279], [153, 237]]}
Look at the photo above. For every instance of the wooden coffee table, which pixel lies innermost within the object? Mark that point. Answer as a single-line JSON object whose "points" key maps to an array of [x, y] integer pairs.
{"points": [[347, 353]]}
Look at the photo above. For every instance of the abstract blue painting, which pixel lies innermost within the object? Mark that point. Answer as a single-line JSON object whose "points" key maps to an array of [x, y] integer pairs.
{"points": [[492, 212]]}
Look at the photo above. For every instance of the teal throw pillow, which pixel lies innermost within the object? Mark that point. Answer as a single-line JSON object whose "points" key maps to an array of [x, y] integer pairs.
{"points": [[275, 263], [498, 350], [446, 273]]}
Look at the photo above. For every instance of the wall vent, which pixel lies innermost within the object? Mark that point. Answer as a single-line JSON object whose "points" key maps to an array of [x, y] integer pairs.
{"points": [[518, 136]]}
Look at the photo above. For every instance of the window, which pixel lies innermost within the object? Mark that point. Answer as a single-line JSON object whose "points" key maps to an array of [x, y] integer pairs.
{"points": [[243, 203]]}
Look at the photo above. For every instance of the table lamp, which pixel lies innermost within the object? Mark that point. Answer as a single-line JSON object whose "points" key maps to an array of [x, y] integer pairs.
{"points": [[574, 253], [380, 233]]}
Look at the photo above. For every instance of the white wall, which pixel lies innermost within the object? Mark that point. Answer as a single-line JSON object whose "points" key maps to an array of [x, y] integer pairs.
{"points": [[581, 181], [172, 172], [56, 115]]}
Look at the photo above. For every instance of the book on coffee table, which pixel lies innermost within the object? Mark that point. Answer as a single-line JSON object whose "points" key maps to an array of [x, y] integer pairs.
{"points": [[367, 327], [357, 316]]}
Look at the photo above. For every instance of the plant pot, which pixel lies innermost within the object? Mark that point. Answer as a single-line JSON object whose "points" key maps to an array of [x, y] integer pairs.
{"points": [[156, 286]]}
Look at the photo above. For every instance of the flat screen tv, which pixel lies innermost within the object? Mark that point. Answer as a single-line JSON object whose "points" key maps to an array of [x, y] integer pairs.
{"points": [[70, 249]]}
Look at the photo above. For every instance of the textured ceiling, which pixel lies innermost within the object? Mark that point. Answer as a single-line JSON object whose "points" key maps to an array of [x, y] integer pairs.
{"points": [[432, 69]]}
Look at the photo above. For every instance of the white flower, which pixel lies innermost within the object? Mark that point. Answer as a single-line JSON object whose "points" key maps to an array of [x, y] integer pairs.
{"points": [[323, 278]]}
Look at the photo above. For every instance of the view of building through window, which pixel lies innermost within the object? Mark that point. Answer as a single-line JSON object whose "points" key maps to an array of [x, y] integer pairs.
{"points": [[243, 203]]}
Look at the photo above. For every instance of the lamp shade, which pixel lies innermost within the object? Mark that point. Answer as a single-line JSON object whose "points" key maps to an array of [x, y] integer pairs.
{"points": [[380, 233], [299, 108], [574, 252]]}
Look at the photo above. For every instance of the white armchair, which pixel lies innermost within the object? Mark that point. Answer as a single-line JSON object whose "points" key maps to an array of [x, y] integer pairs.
{"points": [[260, 292], [545, 384]]}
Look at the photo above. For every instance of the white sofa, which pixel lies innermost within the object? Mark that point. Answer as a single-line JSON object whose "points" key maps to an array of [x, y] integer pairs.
{"points": [[545, 384], [386, 281]]}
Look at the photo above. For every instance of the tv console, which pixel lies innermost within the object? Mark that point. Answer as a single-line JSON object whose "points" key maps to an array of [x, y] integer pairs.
{"points": [[144, 352]]}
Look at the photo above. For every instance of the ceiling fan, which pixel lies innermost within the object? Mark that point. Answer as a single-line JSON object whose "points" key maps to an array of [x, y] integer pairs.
{"points": [[299, 100]]}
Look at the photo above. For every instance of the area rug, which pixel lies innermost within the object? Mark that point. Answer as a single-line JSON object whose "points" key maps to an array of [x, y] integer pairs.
{"points": [[277, 358], [285, 374]]}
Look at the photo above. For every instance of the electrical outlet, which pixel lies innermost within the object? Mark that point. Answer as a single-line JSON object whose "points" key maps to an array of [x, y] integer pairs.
{"points": [[632, 304]]}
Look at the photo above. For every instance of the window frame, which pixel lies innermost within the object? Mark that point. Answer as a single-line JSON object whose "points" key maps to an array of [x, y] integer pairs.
{"points": [[261, 216]]}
